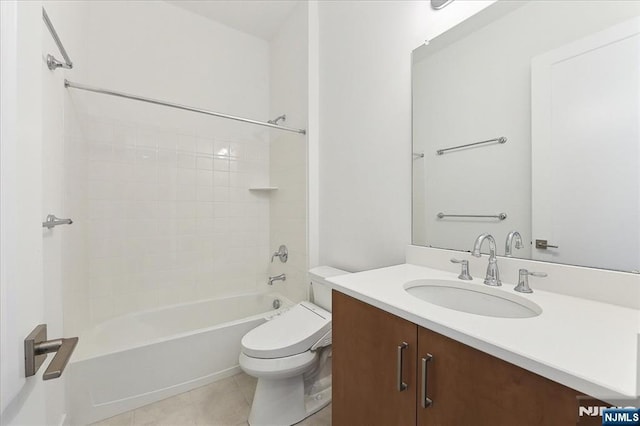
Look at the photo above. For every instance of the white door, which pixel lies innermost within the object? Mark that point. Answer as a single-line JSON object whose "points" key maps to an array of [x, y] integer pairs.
{"points": [[586, 150], [28, 297]]}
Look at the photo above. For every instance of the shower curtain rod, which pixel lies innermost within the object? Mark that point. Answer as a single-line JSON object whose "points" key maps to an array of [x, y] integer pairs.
{"points": [[73, 85]]}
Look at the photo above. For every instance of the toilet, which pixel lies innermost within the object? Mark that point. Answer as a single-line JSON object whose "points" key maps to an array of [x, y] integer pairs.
{"points": [[290, 355]]}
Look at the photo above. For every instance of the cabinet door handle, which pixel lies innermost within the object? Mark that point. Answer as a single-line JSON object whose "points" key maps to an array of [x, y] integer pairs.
{"points": [[401, 385], [425, 400]]}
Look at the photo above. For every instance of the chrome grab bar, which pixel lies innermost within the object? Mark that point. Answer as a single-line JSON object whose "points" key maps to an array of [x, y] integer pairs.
{"points": [[501, 216], [501, 139], [52, 221]]}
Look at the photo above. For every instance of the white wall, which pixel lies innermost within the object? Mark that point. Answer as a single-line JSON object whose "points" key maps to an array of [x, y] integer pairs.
{"points": [[162, 195], [288, 156], [22, 306], [32, 281], [365, 124]]}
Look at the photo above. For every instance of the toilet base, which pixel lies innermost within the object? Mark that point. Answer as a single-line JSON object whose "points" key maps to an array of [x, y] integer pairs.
{"points": [[317, 402], [283, 402], [278, 402]]}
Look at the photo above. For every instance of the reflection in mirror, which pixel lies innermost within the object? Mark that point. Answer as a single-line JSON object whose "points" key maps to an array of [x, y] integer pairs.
{"points": [[560, 82]]}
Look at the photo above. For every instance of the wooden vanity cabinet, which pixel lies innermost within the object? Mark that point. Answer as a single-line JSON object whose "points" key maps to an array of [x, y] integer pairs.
{"points": [[467, 386], [364, 378]]}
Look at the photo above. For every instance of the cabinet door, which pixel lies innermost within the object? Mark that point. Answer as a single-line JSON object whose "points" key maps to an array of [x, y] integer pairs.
{"points": [[470, 387], [365, 365]]}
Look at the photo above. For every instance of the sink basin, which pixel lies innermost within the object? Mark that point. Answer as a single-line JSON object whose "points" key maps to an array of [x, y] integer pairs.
{"points": [[472, 298]]}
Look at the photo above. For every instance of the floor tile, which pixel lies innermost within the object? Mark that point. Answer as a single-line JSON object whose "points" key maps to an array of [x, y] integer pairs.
{"points": [[214, 390], [321, 418], [226, 409], [124, 419], [174, 408], [247, 385], [226, 402]]}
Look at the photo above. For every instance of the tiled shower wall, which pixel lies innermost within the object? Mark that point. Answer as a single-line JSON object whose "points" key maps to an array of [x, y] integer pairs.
{"points": [[169, 217], [289, 213], [288, 168]]}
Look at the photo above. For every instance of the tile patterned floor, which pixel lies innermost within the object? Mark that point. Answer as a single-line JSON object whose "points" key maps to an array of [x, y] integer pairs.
{"points": [[233, 397]]}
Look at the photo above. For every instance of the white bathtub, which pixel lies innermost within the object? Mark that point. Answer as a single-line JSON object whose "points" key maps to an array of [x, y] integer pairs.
{"points": [[136, 359]]}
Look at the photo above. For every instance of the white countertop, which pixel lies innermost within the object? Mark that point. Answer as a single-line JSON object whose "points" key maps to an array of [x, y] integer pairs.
{"points": [[586, 345]]}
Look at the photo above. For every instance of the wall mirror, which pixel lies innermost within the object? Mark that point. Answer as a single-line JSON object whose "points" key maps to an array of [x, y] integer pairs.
{"points": [[552, 90]]}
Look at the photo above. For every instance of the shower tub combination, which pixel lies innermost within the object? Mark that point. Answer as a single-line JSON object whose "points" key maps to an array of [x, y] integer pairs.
{"points": [[143, 357]]}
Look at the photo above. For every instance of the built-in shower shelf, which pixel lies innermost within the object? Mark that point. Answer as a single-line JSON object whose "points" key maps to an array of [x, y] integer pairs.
{"points": [[263, 188]]}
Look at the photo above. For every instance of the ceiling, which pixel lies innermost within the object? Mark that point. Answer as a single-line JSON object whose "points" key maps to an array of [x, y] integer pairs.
{"points": [[260, 18]]}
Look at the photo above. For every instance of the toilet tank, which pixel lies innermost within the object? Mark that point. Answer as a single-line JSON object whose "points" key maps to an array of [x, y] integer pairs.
{"points": [[320, 291]]}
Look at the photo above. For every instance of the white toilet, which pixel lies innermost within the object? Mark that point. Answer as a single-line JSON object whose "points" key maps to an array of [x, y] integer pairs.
{"points": [[291, 357]]}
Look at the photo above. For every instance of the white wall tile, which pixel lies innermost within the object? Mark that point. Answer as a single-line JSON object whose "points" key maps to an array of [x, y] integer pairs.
{"points": [[187, 143], [185, 230], [97, 130], [204, 162], [187, 177], [221, 164], [161, 206], [204, 178], [204, 146], [186, 160]]}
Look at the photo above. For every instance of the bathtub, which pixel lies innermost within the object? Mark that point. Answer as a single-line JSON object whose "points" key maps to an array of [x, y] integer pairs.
{"points": [[136, 359]]}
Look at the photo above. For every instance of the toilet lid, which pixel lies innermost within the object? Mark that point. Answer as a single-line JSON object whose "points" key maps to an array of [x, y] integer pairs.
{"points": [[291, 333]]}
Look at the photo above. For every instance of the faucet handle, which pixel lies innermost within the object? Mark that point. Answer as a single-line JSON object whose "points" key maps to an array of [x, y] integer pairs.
{"points": [[464, 274], [523, 280], [282, 254]]}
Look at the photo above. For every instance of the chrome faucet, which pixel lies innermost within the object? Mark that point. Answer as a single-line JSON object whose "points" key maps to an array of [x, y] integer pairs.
{"points": [[464, 274], [493, 275], [523, 280], [281, 277], [508, 245]]}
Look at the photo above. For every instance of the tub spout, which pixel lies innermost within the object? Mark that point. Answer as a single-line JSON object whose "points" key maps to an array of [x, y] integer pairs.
{"points": [[281, 277]]}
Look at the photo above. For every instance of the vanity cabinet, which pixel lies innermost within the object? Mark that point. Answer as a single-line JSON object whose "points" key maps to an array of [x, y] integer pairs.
{"points": [[364, 363], [467, 386]]}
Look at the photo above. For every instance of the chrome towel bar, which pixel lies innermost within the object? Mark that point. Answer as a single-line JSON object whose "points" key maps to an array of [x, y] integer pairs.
{"points": [[52, 62], [501, 216], [501, 139]]}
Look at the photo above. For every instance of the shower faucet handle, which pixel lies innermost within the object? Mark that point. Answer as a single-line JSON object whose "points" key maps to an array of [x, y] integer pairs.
{"points": [[464, 274], [282, 254]]}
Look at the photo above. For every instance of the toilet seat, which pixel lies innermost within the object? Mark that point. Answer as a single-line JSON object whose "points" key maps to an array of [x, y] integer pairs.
{"points": [[291, 333]]}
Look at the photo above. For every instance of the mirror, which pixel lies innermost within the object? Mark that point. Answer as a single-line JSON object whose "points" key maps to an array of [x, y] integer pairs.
{"points": [[526, 118]]}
